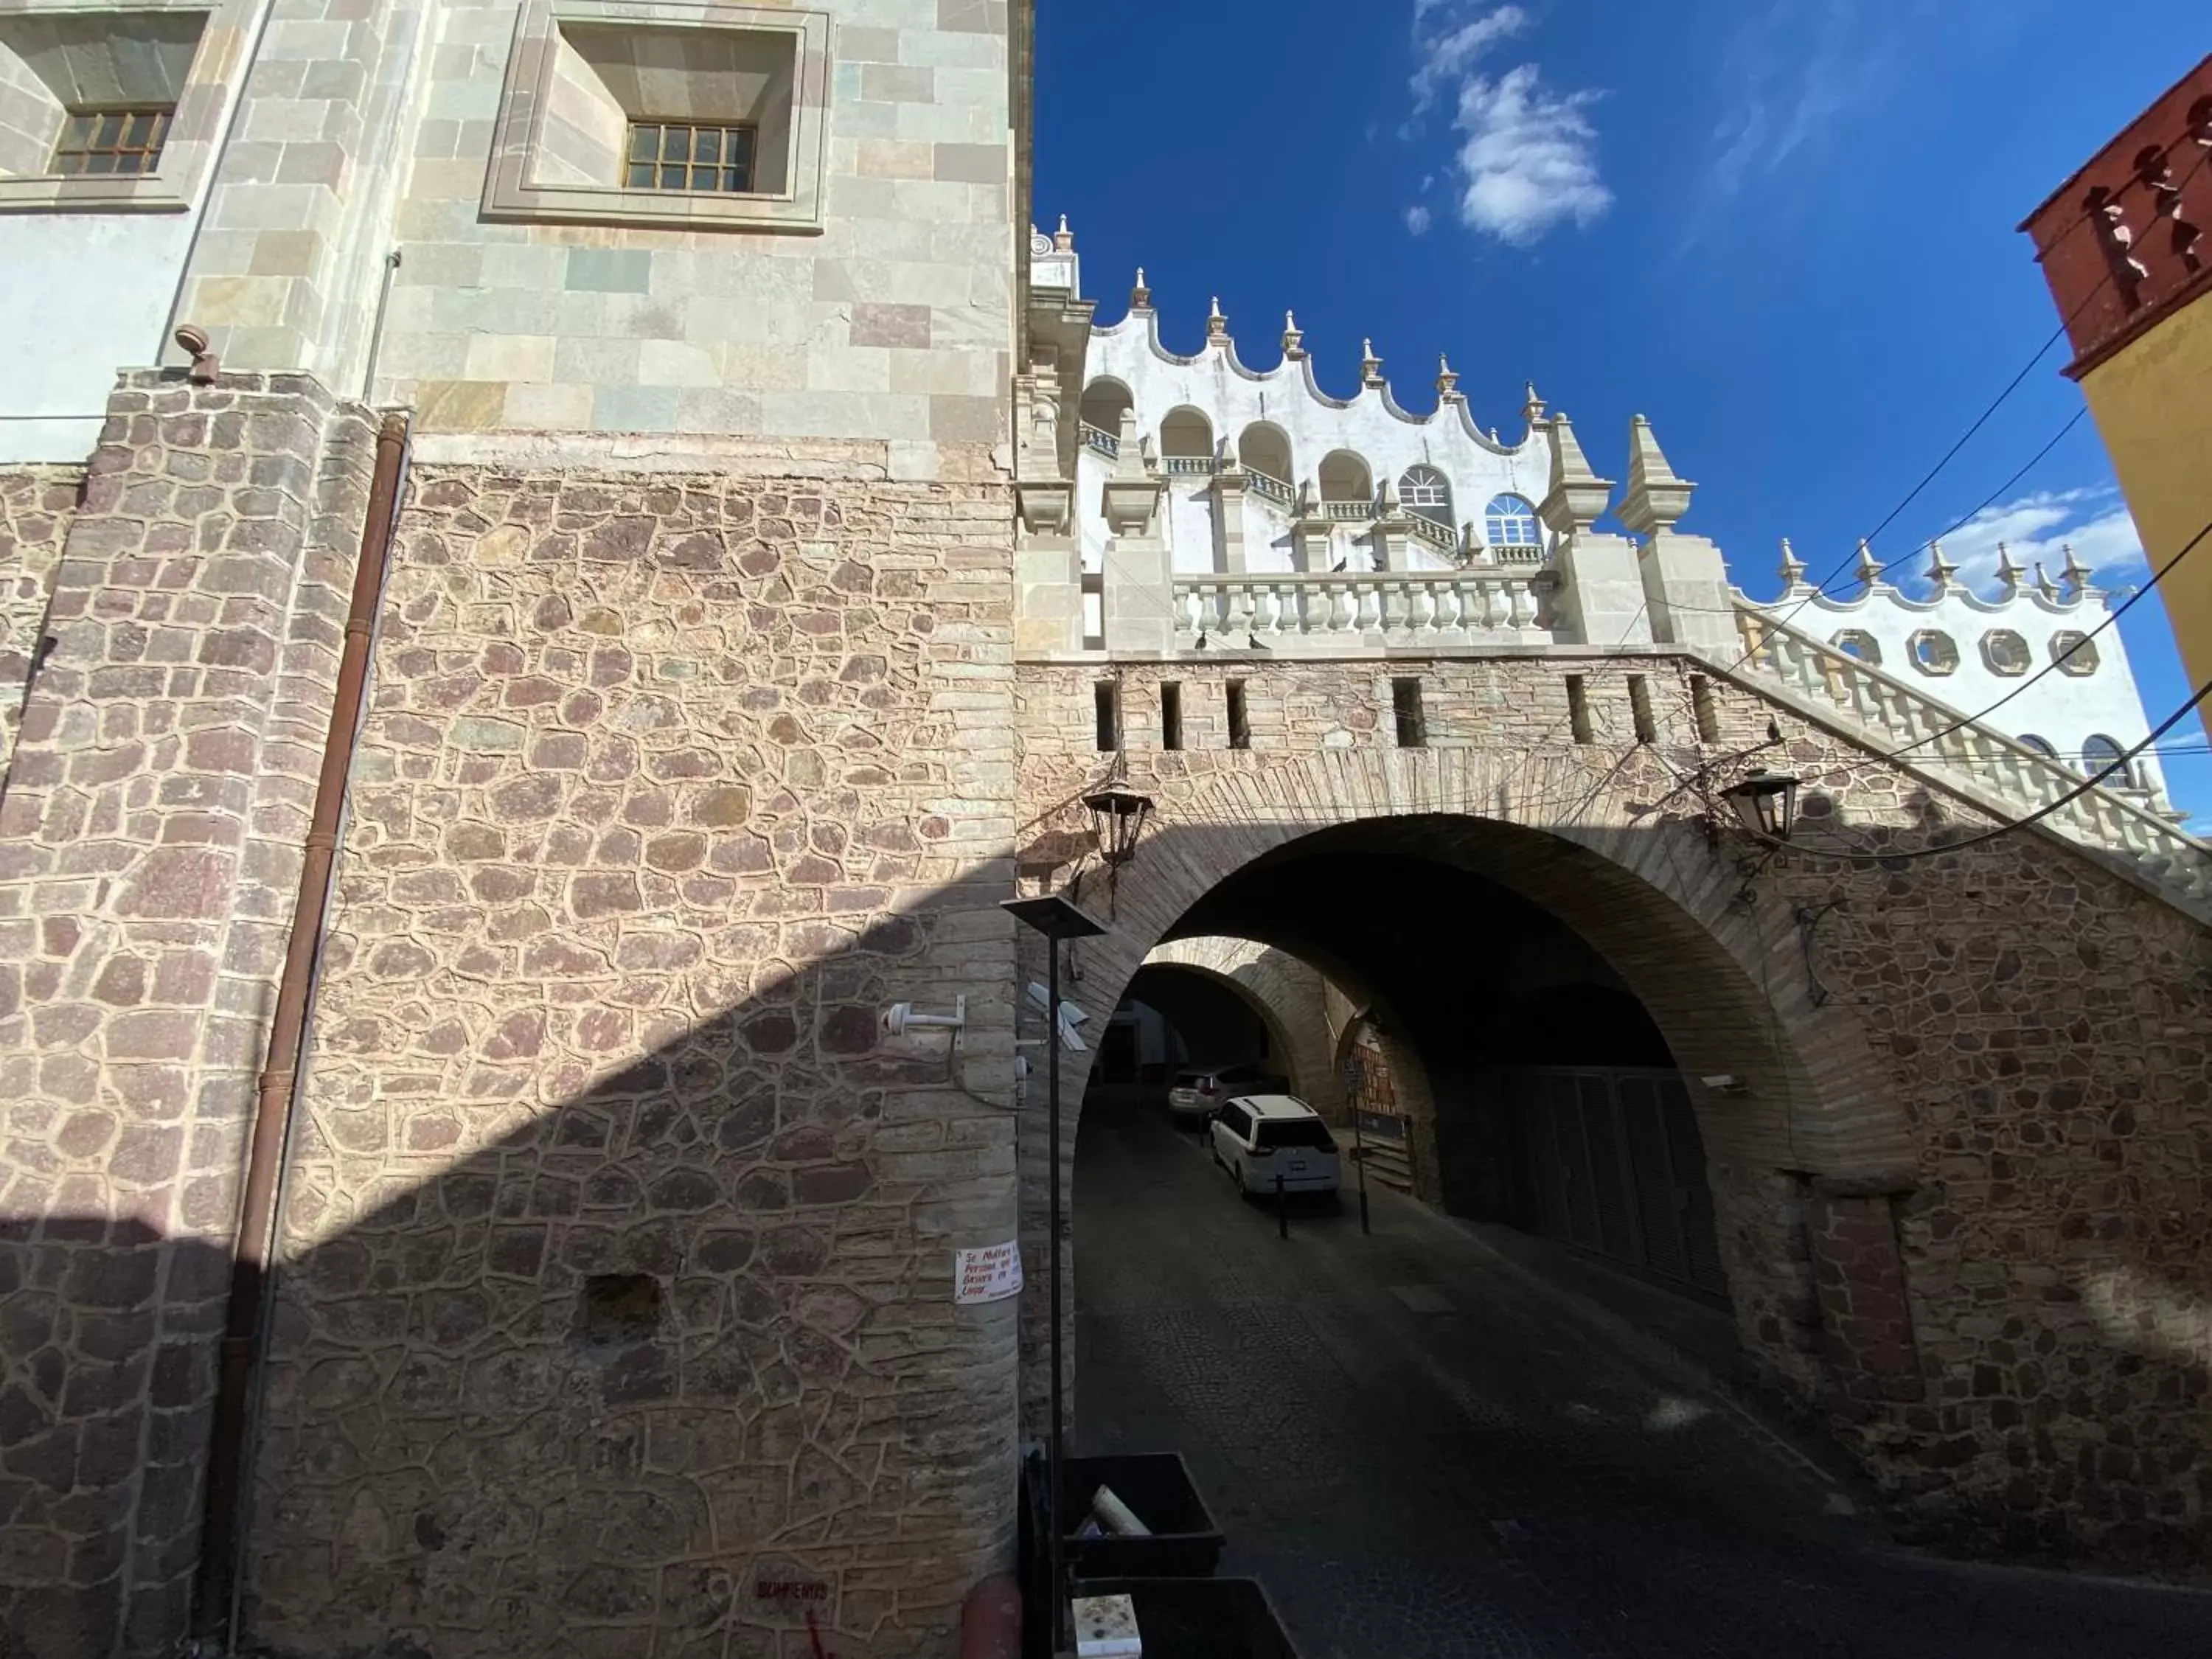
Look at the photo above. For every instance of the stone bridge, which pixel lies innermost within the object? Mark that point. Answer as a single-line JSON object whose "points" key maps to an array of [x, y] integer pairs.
{"points": [[1956, 1109]]}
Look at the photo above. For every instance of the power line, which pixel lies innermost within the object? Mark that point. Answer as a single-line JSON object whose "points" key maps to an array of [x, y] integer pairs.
{"points": [[2126, 761]]}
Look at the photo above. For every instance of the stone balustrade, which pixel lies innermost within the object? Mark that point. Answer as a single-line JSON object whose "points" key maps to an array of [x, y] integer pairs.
{"points": [[1366, 607], [1945, 742]]}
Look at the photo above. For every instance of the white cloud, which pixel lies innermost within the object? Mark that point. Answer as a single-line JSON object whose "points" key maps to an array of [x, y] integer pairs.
{"points": [[1447, 52], [1526, 160], [1418, 219], [2039, 527]]}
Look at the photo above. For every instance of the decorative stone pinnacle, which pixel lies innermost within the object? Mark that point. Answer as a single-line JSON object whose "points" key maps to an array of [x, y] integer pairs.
{"points": [[1294, 339], [1532, 409], [2008, 570], [2043, 584], [1140, 297], [1371, 366], [2076, 572], [1063, 240], [1577, 497], [1870, 567], [1793, 567], [1658, 497], [1217, 325], [1939, 569], [1447, 382]]}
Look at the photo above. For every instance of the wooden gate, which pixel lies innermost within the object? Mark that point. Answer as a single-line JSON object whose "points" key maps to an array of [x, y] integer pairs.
{"points": [[1610, 1159]]}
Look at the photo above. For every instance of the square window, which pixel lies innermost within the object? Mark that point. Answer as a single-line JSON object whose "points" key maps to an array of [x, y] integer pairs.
{"points": [[114, 108], [679, 113]]}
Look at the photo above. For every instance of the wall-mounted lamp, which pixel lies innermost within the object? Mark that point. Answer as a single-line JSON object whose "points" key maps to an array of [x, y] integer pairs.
{"points": [[1765, 804], [1118, 816]]}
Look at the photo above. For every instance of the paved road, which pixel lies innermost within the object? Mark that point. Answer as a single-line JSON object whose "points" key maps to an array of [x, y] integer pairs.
{"points": [[1491, 1476]]}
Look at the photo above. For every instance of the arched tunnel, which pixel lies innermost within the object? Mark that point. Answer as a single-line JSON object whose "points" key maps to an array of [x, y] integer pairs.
{"points": [[1505, 1070]]}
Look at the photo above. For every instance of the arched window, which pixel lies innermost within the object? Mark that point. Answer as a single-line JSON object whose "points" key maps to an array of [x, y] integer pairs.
{"points": [[1346, 478], [2101, 752], [1934, 652], [1857, 643], [2040, 745], [1509, 525], [1186, 441], [2074, 652], [2005, 652], [1426, 491], [1100, 414], [1265, 449]]}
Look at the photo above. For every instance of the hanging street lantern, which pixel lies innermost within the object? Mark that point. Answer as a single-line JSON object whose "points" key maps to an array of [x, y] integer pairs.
{"points": [[1117, 818], [1766, 803]]}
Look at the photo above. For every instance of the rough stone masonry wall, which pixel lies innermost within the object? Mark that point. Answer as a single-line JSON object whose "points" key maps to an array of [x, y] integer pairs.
{"points": [[2036, 1032], [149, 853], [36, 506], [619, 1316]]}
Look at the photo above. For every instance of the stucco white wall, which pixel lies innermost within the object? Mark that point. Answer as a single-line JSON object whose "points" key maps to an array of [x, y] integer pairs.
{"points": [[2065, 710], [1371, 424], [91, 292]]}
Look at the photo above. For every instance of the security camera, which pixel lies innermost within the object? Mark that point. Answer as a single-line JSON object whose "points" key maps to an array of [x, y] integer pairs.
{"points": [[1726, 1082], [900, 1017]]}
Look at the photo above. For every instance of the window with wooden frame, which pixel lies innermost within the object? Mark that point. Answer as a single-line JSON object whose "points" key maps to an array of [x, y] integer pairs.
{"points": [[691, 156], [96, 142]]}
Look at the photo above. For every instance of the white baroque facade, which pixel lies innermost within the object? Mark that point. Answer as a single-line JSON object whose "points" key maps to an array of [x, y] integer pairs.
{"points": [[1291, 521]]}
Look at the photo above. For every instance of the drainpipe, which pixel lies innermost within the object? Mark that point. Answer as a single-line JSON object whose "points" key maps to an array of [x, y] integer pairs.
{"points": [[221, 1534]]}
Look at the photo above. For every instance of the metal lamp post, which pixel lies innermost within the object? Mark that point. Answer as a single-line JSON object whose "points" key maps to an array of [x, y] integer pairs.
{"points": [[1056, 920]]}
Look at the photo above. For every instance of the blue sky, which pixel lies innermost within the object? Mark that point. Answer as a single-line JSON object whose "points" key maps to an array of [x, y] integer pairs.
{"points": [[1782, 229]]}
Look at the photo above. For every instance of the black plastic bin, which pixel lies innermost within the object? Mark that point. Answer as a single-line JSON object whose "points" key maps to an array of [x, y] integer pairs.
{"points": [[1200, 1618], [1185, 1541]]}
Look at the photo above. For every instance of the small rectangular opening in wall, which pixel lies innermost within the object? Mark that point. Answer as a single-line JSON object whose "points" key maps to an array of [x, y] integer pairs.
{"points": [[1109, 697], [1639, 708], [1707, 711], [1405, 704], [1171, 715], [1240, 727], [1578, 707]]}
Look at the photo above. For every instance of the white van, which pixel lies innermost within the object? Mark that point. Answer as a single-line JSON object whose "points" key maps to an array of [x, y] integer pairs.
{"points": [[1257, 1138]]}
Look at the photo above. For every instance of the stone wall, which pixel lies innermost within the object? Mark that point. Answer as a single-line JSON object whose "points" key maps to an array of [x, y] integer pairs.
{"points": [[2015, 1037], [36, 506], [151, 845], [620, 1315]]}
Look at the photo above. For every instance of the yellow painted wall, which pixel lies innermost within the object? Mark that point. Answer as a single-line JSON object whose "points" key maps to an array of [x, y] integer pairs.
{"points": [[2153, 401]]}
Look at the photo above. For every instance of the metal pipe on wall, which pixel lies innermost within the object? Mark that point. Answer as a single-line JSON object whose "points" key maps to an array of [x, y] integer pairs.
{"points": [[221, 1533]]}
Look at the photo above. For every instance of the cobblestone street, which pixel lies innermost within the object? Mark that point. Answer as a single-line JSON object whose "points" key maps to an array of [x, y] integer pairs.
{"points": [[1418, 1453]]}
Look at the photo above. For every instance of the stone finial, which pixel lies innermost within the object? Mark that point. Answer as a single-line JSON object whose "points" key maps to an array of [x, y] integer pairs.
{"points": [[1869, 568], [1531, 407], [1658, 497], [1063, 240], [1793, 567], [1140, 297], [2008, 570], [1371, 366], [1939, 569], [1294, 339], [1391, 504], [1308, 501], [1447, 390], [1577, 497], [1131, 458], [2076, 572], [1226, 461], [2043, 584], [1217, 325]]}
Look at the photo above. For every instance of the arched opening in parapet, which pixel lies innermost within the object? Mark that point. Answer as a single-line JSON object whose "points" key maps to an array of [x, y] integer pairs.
{"points": [[1265, 449], [1104, 402], [1346, 478], [1187, 435]]}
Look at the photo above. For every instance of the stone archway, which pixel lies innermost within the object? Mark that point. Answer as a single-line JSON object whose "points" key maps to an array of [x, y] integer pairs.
{"points": [[1783, 1091], [1284, 993]]}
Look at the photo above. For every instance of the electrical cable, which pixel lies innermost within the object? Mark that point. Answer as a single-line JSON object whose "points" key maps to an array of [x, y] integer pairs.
{"points": [[2122, 764]]}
